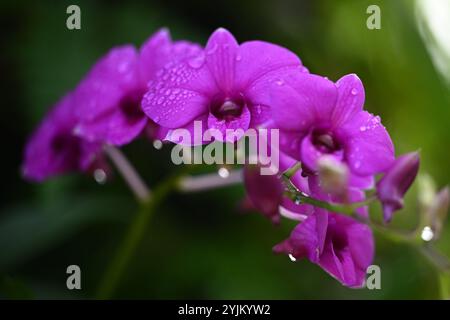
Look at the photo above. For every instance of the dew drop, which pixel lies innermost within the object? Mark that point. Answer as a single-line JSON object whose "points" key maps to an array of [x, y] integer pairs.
{"points": [[362, 128], [123, 67], [212, 49], [354, 92], [160, 100], [293, 259], [157, 144], [100, 176], [279, 82], [377, 120], [427, 234], [223, 173], [197, 62]]}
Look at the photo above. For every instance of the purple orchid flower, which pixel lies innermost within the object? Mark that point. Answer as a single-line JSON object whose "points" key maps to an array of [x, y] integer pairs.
{"points": [[393, 185], [265, 193], [224, 87], [53, 149], [108, 100], [317, 117], [341, 246]]}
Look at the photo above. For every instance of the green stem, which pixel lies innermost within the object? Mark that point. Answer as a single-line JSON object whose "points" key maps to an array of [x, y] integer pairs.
{"points": [[289, 173], [348, 209], [440, 261], [410, 237], [444, 285], [133, 237], [299, 197]]}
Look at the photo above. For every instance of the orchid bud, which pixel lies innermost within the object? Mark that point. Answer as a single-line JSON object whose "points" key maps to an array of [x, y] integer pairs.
{"points": [[426, 191], [333, 176], [437, 211], [396, 181]]}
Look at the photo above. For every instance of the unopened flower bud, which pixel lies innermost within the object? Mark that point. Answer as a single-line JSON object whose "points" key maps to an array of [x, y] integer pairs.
{"points": [[437, 212], [333, 176], [396, 181], [426, 191]]}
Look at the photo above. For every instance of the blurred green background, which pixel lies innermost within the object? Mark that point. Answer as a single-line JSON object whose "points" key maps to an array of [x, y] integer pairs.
{"points": [[200, 245]]}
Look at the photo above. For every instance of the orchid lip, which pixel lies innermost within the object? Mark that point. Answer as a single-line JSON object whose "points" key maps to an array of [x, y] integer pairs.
{"points": [[227, 108], [130, 106], [325, 141]]}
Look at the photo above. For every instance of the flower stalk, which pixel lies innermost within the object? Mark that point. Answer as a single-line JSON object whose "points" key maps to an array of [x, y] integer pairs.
{"points": [[129, 173], [208, 181], [133, 237]]}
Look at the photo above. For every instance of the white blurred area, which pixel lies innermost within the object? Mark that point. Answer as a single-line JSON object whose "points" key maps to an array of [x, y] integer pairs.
{"points": [[433, 18]]}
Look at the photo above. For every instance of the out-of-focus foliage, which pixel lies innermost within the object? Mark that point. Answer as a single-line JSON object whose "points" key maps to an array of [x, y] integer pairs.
{"points": [[199, 245]]}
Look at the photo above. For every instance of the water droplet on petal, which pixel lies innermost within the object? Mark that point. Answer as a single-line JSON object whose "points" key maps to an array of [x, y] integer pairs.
{"points": [[238, 57], [160, 100], [197, 62], [354, 92], [212, 50], [362, 128], [293, 259], [279, 82]]}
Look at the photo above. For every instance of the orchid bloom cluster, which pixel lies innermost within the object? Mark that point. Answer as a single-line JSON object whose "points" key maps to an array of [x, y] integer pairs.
{"points": [[332, 148]]}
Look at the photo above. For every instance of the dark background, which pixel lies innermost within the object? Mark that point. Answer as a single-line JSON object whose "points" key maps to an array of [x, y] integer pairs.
{"points": [[200, 245]]}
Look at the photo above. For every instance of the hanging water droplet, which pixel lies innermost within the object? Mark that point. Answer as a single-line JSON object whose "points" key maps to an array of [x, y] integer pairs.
{"points": [[427, 234], [100, 176], [223, 172], [157, 144], [297, 201]]}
